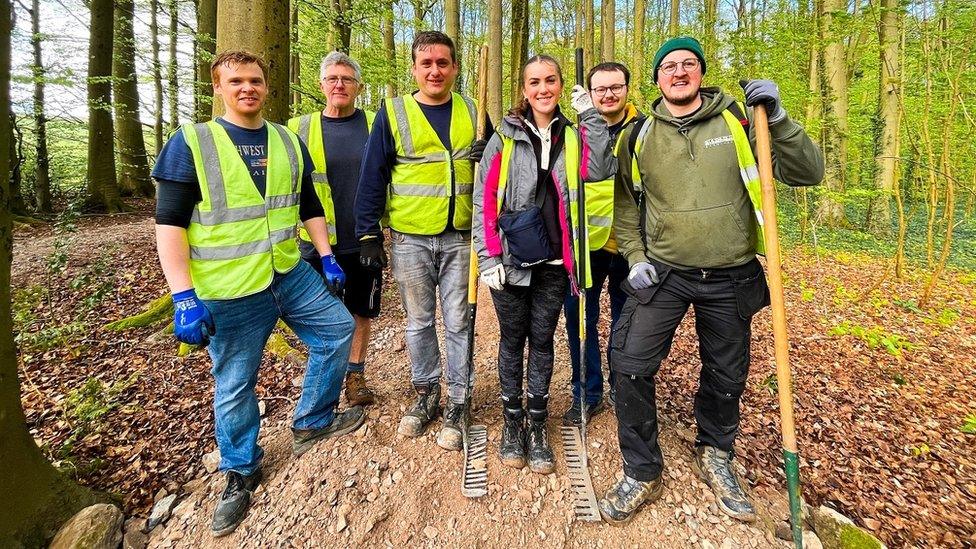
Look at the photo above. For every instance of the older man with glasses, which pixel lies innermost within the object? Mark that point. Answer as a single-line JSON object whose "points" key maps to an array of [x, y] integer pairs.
{"points": [[686, 217]]}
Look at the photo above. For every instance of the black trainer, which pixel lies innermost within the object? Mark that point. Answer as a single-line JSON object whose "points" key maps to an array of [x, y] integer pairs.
{"points": [[624, 498], [451, 437], [344, 422], [423, 411], [574, 417], [541, 458], [511, 451], [234, 502], [714, 466]]}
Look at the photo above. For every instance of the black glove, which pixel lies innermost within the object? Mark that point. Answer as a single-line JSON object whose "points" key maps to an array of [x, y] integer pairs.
{"points": [[371, 253], [767, 93], [476, 150]]}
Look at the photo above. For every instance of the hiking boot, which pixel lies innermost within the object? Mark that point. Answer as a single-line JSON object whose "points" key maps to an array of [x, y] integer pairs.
{"points": [[541, 458], [714, 466], [574, 417], [624, 498], [423, 411], [450, 437], [234, 502], [343, 422], [357, 393], [511, 451]]}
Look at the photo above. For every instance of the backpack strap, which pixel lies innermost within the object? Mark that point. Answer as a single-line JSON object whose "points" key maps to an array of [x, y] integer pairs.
{"points": [[738, 111]]}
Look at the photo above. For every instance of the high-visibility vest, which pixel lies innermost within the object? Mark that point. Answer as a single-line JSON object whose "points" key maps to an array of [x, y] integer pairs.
{"points": [[426, 175], [748, 169], [309, 130], [571, 150], [238, 238], [599, 201]]}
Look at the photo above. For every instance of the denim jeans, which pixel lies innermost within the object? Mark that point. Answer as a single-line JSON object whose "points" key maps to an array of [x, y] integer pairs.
{"points": [[421, 265], [243, 326], [607, 266]]}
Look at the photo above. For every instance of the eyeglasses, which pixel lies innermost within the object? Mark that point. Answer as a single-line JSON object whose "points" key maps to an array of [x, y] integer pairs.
{"points": [[615, 89], [346, 80], [689, 65]]}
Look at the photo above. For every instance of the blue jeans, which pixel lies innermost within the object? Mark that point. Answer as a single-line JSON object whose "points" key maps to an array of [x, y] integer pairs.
{"points": [[243, 326], [604, 266], [421, 265]]}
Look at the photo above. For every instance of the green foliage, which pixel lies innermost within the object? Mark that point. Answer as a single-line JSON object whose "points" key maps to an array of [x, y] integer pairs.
{"points": [[770, 383], [87, 404], [969, 425], [908, 305], [808, 294], [64, 227], [24, 303], [45, 339], [875, 337], [97, 281]]}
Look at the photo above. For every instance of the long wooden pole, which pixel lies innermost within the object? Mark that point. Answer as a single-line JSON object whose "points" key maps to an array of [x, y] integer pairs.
{"points": [[780, 333]]}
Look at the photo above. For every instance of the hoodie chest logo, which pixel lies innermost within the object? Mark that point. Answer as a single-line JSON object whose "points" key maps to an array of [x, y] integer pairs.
{"points": [[716, 141]]}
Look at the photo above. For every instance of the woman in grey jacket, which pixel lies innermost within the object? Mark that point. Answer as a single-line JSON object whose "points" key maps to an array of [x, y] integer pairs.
{"points": [[524, 229]]}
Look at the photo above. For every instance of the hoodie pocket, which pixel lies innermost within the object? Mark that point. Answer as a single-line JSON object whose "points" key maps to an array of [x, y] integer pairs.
{"points": [[711, 236]]}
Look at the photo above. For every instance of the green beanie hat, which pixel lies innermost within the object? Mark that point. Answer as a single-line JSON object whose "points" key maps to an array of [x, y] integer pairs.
{"points": [[679, 43]]}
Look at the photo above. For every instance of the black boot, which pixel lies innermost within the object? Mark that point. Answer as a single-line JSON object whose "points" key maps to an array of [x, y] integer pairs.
{"points": [[624, 498], [455, 420], [511, 451], [234, 502], [423, 411], [541, 458], [714, 466]]}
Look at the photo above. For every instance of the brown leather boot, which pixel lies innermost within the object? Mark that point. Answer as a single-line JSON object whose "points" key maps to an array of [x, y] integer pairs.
{"points": [[357, 393]]}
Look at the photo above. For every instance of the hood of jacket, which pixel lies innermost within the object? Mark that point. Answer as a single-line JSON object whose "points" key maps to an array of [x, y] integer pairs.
{"points": [[714, 101]]}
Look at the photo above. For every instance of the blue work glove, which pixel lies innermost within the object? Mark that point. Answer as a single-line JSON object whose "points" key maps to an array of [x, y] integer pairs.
{"points": [[642, 275], [335, 279], [767, 93], [192, 322]]}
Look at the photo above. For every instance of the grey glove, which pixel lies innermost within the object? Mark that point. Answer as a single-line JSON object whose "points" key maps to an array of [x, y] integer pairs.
{"points": [[642, 275], [767, 93]]}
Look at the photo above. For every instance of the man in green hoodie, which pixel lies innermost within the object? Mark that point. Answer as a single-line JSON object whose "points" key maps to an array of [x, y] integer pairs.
{"points": [[690, 229]]}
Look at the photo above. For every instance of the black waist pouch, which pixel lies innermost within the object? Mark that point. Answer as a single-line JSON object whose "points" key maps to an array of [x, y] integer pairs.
{"points": [[525, 233]]}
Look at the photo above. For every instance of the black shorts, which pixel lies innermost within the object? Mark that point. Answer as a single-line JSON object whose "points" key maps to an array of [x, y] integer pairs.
{"points": [[364, 287]]}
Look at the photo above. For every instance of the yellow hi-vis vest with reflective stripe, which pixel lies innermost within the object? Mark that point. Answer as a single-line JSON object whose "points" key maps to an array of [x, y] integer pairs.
{"points": [[599, 200], [239, 239], [309, 130], [748, 169], [571, 150], [426, 175]]}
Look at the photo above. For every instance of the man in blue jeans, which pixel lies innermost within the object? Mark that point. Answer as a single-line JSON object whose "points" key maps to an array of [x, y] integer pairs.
{"points": [[230, 193]]}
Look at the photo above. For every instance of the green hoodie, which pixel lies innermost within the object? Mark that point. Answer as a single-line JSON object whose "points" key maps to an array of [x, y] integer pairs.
{"points": [[698, 215]]}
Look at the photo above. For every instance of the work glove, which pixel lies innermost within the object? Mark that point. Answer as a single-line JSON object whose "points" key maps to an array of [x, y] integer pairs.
{"points": [[581, 99], [642, 275], [477, 150], [335, 279], [371, 253], [765, 92], [494, 277], [192, 323]]}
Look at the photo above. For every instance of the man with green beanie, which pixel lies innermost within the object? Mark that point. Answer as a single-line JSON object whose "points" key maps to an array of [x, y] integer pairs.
{"points": [[690, 228]]}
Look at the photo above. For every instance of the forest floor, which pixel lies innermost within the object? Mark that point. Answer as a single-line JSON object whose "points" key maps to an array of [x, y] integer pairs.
{"points": [[885, 412]]}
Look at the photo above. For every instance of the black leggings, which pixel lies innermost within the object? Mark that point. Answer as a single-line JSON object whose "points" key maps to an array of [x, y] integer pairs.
{"points": [[529, 313]]}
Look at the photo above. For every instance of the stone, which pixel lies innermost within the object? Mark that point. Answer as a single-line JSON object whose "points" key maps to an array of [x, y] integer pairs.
{"points": [[195, 485], [811, 541], [262, 408], [430, 532], [184, 509], [161, 512], [839, 532], [98, 526], [211, 461], [135, 539], [784, 531], [160, 494]]}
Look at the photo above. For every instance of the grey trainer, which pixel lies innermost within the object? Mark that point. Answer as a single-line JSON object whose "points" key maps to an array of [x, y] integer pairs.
{"points": [[624, 498], [714, 466]]}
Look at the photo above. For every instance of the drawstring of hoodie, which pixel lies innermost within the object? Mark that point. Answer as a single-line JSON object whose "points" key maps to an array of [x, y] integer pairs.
{"points": [[684, 133]]}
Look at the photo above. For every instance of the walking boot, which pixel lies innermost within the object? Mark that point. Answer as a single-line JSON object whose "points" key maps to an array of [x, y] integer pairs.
{"points": [[357, 393], [714, 466], [624, 498], [344, 422], [541, 458], [234, 502], [511, 451], [451, 437], [574, 416], [423, 411]]}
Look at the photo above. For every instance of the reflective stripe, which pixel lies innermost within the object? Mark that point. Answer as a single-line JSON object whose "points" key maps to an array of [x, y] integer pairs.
{"points": [[282, 201], [228, 215], [599, 220], [281, 235], [418, 190], [296, 174], [304, 125], [472, 110], [233, 251], [464, 189], [427, 159], [749, 173], [403, 125], [211, 168], [319, 177]]}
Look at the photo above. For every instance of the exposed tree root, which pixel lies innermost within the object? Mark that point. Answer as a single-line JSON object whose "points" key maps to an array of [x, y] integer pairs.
{"points": [[160, 308]]}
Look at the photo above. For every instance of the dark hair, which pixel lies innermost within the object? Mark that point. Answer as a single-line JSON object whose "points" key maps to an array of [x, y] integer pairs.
{"points": [[523, 105], [425, 39], [608, 66], [234, 58]]}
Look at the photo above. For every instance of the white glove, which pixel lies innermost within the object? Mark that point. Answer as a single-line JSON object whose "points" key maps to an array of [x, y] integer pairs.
{"points": [[642, 275], [494, 277], [581, 99]]}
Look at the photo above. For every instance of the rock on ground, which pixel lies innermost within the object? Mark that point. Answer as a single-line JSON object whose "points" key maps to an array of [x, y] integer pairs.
{"points": [[98, 526]]}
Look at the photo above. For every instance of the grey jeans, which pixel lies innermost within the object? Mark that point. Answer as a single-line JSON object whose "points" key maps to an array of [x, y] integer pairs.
{"points": [[421, 265]]}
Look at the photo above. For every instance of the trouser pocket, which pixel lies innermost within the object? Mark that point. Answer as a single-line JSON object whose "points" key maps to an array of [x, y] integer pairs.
{"points": [[751, 292]]}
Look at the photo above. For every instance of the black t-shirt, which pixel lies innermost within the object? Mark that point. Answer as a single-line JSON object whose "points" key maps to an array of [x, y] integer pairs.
{"points": [[344, 139]]}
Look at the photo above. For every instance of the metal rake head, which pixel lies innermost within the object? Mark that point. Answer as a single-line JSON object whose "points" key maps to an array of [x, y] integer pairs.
{"points": [[474, 483], [584, 499]]}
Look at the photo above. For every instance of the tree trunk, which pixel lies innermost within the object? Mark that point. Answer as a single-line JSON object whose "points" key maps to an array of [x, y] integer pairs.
{"points": [[589, 33], [103, 190], [389, 47], [608, 33], [520, 45], [452, 21], [637, 62], [133, 162], [495, 60], [295, 66], [157, 73], [343, 25], [674, 23], [206, 49], [709, 20], [830, 210], [42, 175], [174, 85], [235, 31], [16, 172], [889, 90]]}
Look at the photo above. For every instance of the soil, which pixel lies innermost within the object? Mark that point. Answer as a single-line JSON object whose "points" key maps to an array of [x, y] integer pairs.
{"points": [[880, 430]]}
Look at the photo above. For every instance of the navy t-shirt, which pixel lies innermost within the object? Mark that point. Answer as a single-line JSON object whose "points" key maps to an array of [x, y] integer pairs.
{"points": [[344, 139]]}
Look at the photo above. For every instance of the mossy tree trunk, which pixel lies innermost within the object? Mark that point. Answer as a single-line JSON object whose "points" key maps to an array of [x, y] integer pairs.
{"points": [[133, 161], [42, 175], [103, 188], [520, 46], [206, 48]]}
